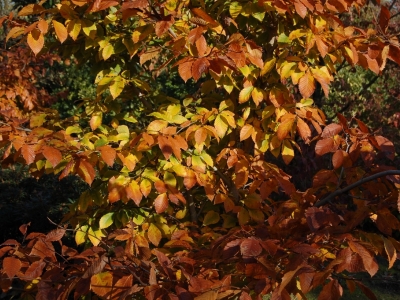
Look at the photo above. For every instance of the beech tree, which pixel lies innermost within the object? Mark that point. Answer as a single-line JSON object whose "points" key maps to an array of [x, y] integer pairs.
{"points": [[239, 190]]}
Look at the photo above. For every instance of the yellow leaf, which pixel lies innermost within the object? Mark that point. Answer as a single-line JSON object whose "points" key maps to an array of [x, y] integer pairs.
{"points": [[117, 86], [80, 235], [35, 41], [210, 218], [61, 31], [287, 152], [154, 234], [245, 94], [268, 66], [74, 28]]}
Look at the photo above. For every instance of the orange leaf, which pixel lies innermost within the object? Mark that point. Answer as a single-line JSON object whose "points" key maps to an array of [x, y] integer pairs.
{"points": [[201, 45], [108, 154], [35, 41], [285, 127], [185, 70], [133, 192], [246, 132], [86, 171], [53, 155], [190, 179], [28, 152], [102, 283], [307, 85], [161, 203], [304, 130]]}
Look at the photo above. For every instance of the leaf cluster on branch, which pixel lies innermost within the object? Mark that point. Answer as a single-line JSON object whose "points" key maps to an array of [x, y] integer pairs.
{"points": [[183, 202]]}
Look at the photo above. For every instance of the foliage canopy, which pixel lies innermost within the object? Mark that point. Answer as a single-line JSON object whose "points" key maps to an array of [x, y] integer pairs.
{"points": [[184, 200]]}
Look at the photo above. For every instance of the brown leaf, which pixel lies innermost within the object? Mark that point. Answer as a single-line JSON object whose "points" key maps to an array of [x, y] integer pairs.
{"points": [[331, 291], [53, 155], [367, 292], [55, 235], [96, 267], [325, 146], [369, 261], [11, 266], [35, 270], [43, 249], [337, 159]]}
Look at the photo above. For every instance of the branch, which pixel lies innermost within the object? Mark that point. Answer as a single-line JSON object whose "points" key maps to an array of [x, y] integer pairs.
{"points": [[355, 184], [192, 208], [231, 186]]}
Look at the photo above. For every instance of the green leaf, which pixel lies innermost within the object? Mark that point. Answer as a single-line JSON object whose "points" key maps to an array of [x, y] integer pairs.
{"points": [[106, 220], [211, 217], [235, 9]]}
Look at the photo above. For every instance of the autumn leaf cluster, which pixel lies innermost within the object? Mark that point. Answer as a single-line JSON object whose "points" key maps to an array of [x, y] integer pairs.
{"points": [[184, 200]]}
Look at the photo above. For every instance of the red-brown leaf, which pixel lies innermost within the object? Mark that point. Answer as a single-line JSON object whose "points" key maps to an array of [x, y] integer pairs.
{"points": [[384, 18], [250, 247], [199, 67], [11, 266], [163, 26]]}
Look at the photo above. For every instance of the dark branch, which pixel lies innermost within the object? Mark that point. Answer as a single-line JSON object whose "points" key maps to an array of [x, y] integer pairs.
{"points": [[355, 184]]}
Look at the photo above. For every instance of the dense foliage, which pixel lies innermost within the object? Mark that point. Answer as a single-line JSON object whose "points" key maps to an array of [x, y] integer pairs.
{"points": [[233, 187]]}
